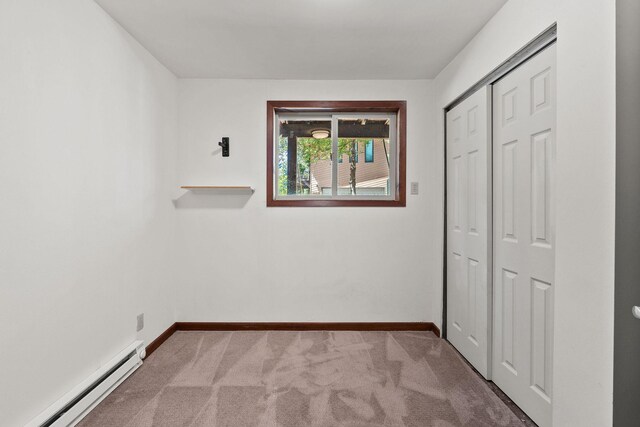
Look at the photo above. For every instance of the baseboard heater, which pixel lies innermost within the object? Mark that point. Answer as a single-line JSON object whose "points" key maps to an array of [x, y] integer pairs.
{"points": [[75, 405]]}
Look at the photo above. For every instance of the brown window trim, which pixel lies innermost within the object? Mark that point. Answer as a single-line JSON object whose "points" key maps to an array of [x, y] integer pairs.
{"points": [[397, 107]]}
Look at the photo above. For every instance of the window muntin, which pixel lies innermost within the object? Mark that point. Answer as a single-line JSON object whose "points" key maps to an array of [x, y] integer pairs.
{"points": [[303, 188]]}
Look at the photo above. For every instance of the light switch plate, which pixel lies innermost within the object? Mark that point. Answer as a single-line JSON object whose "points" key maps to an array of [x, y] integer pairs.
{"points": [[414, 188]]}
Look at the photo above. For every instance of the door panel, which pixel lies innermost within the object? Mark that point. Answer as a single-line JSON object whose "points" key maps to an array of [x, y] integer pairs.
{"points": [[524, 129], [468, 230]]}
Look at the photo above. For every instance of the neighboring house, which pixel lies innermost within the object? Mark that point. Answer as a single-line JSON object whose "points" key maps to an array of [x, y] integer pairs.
{"points": [[372, 171]]}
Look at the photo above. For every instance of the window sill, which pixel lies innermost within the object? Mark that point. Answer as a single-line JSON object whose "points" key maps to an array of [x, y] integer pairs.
{"points": [[336, 203]]}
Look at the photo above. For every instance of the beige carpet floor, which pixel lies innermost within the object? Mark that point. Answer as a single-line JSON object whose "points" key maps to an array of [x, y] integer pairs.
{"points": [[297, 379]]}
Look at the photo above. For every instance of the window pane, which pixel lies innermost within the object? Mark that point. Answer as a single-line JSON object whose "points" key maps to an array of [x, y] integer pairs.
{"points": [[304, 157], [361, 138]]}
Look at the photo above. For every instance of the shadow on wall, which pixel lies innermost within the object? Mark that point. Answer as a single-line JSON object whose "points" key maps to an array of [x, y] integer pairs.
{"points": [[194, 200]]}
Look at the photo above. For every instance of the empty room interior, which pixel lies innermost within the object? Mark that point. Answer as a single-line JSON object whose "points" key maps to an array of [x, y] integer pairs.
{"points": [[290, 213]]}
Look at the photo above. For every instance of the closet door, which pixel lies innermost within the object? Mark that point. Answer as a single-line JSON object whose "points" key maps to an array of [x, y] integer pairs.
{"points": [[524, 132], [468, 229]]}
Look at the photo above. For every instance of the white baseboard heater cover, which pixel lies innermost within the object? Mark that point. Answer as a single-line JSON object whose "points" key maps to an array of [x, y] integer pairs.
{"points": [[75, 405]]}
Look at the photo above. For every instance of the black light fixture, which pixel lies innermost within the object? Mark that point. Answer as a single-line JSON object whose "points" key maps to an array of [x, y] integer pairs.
{"points": [[225, 146]]}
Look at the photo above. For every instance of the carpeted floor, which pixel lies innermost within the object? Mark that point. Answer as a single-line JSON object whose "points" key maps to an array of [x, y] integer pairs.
{"points": [[297, 379]]}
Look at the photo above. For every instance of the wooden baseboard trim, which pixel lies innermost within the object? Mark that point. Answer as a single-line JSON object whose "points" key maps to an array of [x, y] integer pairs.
{"points": [[290, 326], [320, 326], [435, 330], [161, 339]]}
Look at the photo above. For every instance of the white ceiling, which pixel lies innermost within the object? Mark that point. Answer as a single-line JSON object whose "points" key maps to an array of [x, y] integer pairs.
{"points": [[303, 39]]}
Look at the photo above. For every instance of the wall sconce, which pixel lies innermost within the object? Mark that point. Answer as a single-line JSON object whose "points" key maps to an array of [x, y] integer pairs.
{"points": [[225, 146]]}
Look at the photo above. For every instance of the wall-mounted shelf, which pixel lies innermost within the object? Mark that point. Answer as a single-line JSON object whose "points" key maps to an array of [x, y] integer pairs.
{"points": [[219, 189]]}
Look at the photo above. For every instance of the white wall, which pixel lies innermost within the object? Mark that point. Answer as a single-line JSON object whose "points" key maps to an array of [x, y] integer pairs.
{"points": [[583, 344], [88, 124], [242, 261]]}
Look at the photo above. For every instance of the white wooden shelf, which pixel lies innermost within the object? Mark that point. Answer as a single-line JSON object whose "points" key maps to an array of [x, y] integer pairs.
{"points": [[219, 189]]}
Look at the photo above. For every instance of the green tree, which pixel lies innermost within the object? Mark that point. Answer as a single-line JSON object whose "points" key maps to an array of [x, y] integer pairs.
{"points": [[312, 150], [282, 164]]}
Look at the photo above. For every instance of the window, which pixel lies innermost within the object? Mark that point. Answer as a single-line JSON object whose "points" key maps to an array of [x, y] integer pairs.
{"points": [[315, 151]]}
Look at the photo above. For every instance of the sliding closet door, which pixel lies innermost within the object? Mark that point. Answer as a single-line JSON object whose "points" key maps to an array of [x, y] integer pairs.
{"points": [[524, 132], [468, 229]]}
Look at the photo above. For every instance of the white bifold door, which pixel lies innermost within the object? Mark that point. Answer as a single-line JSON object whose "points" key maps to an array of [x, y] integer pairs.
{"points": [[468, 229], [524, 134]]}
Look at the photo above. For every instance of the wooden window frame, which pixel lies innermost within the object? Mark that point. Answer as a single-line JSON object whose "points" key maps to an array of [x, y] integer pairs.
{"points": [[399, 108]]}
